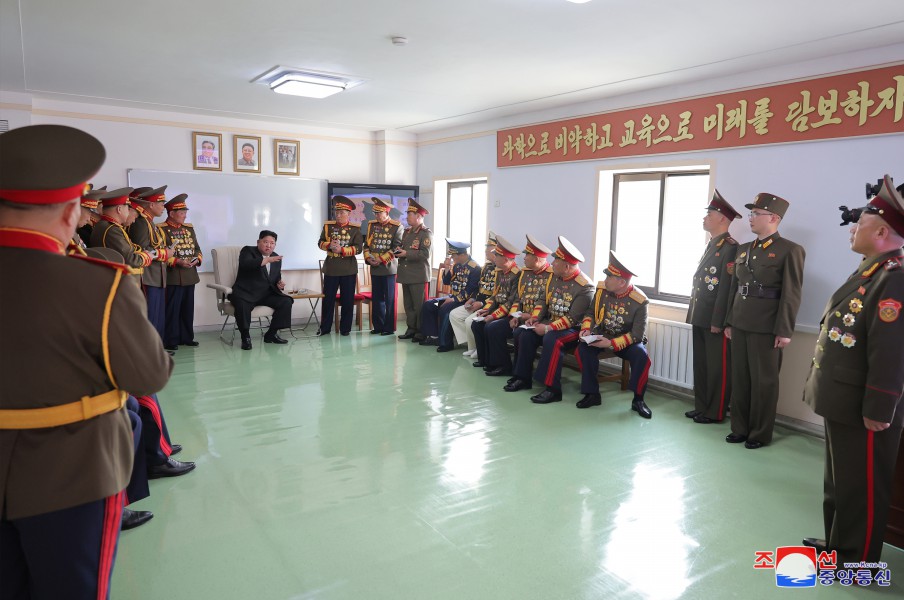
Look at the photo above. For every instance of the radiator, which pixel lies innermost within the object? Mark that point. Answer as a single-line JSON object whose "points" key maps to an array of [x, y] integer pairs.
{"points": [[669, 344]]}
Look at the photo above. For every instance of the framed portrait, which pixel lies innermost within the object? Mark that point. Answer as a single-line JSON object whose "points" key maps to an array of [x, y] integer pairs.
{"points": [[285, 157], [206, 149], [246, 155]]}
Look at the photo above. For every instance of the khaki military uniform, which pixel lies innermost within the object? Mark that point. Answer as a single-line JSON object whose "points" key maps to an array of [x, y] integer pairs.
{"points": [[180, 284], [379, 242], [708, 308], [414, 273], [763, 302], [857, 372], [110, 234], [340, 273], [497, 306], [186, 248]]}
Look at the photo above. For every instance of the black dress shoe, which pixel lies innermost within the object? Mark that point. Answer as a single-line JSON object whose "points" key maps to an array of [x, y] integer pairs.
{"points": [[518, 385], [171, 348], [192, 343], [691, 414], [374, 332], [498, 372], [387, 332], [546, 397], [444, 349], [273, 338], [344, 332], [589, 400], [321, 332], [511, 380], [753, 444], [735, 438], [175, 449], [407, 335], [704, 420], [246, 343], [817, 543], [641, 408], [478, 364], [171, 468], [430, 341], [133, 518]]}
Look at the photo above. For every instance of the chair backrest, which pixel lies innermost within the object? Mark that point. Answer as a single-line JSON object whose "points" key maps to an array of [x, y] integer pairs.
{"points": [[321, 261], [226, 264], [364, 283], [442, 288]]}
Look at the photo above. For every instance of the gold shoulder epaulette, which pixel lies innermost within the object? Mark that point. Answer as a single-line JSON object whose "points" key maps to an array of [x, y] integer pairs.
{"points": [[582, 280], [394, 222], [373, 221], [638, 296], [427, 229], [601, 285], [358, 225], [516, 270], [330, 223], [473, 264]]}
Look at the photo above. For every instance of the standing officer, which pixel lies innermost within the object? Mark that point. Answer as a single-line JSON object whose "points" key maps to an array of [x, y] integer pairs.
{"points": [[618, 317], [90, 216], [762, 307], [65, 439], [531, 284], [707, 311], [110, 231], [555, 320], [146, 234], [462, 274], [384, 235], [857, 382], [497, 305], [181, 276], [414, 268], [462, 317], [342, 241]]}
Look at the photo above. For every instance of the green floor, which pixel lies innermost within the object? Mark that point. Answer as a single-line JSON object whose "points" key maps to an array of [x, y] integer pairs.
{"points": [[365, 468]]}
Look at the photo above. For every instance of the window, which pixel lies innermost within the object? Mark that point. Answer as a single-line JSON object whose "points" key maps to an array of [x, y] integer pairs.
{"points": [[462, 217], [656, 228]]}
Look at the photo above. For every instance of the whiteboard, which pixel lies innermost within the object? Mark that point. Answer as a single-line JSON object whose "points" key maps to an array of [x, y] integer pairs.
{"points": [[232, 209]]}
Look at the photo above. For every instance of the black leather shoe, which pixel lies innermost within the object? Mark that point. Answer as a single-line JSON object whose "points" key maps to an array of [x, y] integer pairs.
{"points": [[753, 444], [518, 385], [273, 338], [511, 380], [704, 420], [430, 341], [344, 332], [444, 349], [641, 408], [387, 333], [246, 343], [817, 543], [171, 468], [691, 414], [477, 364], [546, 397], [589, 400], [175, 449], [133, 518], [374, 332], [192, 343], [171, 348], [498, 372], [417, 338], [735, 438], [407, 335], [321, 332]]}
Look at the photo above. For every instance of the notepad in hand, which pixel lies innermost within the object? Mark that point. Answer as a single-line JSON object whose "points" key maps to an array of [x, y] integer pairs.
{"points": [[589, 339], [517, 314], [527, 326]]}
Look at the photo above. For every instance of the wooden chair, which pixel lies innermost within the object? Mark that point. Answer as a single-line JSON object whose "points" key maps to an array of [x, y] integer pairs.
{"points": [[358, 299]]}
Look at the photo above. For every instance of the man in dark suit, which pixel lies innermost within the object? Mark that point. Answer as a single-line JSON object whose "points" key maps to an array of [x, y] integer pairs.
{"points": [[856, 383], [259, 283]]}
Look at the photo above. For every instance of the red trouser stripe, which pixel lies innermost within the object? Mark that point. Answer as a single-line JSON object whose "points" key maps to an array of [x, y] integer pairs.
{"points": [[724, 377], [642, 380], [148, 403], [109, 536], [554, 359], [869, 493]]}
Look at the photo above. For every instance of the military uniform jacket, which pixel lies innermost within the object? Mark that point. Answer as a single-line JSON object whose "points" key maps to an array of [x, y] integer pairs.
{"points": [[506, 289], [530, 287], [58, 355], [487, 283], [566, 302], [620, 319], [858, 368], [415, 266], [186, 248], [351, 243], [775, 266], [379, 242], [712, 283], [148, 236], [110, 234], [463, 280]]}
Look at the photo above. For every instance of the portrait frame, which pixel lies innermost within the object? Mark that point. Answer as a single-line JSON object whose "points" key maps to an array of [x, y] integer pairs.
{"points": [[285, 157], [200, 160], [239, 142]]}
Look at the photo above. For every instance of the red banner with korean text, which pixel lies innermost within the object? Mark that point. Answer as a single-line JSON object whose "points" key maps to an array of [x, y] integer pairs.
{"points": [[869, 102]]}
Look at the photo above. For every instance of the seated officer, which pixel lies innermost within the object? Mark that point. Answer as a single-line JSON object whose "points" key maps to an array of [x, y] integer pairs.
{"points": [[533, 281], [498, 304], [462, 274], [461, 318], [555, 320], [619, 315]]}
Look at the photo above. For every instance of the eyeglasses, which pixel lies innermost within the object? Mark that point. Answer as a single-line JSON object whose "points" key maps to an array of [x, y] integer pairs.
{"points": [[754, 215]]}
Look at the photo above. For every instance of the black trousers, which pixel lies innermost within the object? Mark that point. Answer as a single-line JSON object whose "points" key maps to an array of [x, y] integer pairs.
{"points": [[180, 315], [138, 482], [282, 316], [345, 285], [383, 304]]}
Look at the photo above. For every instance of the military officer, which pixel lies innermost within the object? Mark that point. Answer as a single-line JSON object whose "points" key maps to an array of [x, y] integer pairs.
{"points": [[555, 320], [533, 281], [90, 216], [617, 322], [383, 237], [762, 308], [342, 241], [414, 268], [497, 305], [462, 275], [111, 233], [65, 439], [856, 383], [181, 276], [461, 318], [146, 234], [706, 314]]}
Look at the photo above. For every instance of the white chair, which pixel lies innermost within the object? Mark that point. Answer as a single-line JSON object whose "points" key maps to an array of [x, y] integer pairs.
{"points": [[225, 268]]}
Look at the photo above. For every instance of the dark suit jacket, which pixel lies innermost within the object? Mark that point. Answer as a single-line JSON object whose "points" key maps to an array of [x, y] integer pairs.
{"points": [[252, 283]]}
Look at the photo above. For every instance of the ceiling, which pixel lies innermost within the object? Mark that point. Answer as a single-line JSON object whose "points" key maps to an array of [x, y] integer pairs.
{"points": [[466, 60]]}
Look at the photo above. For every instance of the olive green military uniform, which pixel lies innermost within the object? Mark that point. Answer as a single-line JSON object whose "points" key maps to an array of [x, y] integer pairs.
{"points": [[110, 234], [351, 243], [414, 273], [763, 302], [379, 242], [149, 236], [187, 248], [708, 308], [531, 285]]}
